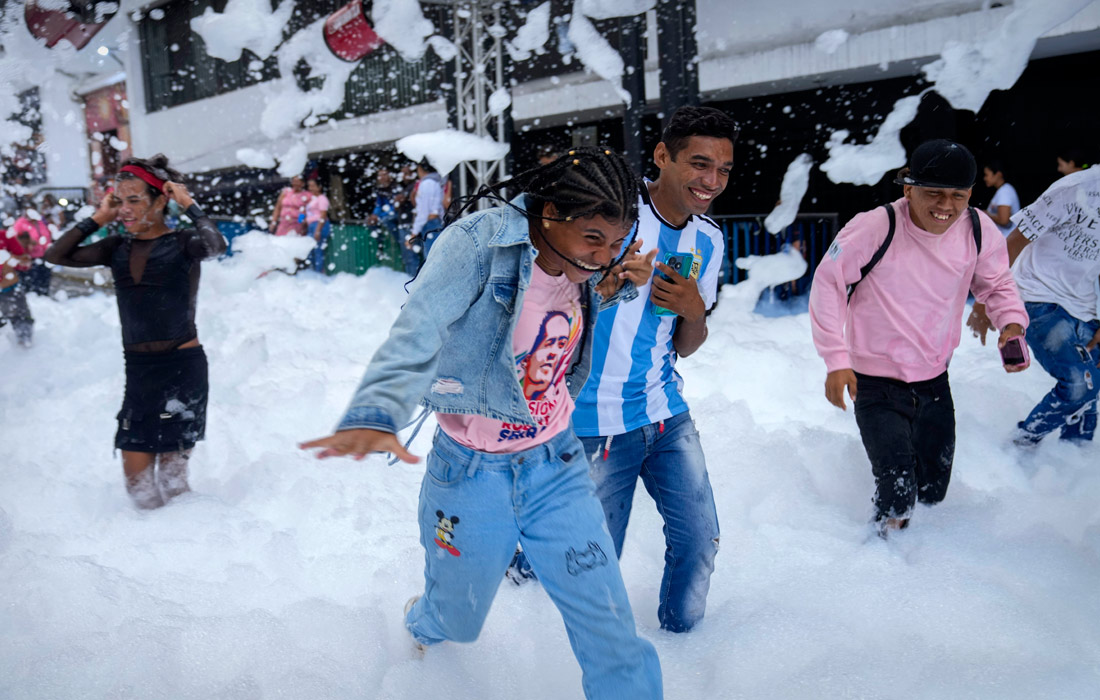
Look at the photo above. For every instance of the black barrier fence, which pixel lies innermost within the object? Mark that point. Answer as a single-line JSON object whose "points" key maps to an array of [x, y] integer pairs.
{"points": [[745, 235]]}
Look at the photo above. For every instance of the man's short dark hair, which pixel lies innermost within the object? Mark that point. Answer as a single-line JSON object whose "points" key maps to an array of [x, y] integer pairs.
{"points": [[697, 121]]}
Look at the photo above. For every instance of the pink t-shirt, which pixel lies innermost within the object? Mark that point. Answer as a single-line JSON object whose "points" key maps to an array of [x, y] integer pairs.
{"points": [[316, 209], [547, 332]]}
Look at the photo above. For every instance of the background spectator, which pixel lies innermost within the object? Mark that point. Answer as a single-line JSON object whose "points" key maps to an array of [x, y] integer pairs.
{"points": [[390, 207], [1071, 160], [1005, 201], [290, 209], [428, 207], [36, 277], [14, 259], [317, 224]]}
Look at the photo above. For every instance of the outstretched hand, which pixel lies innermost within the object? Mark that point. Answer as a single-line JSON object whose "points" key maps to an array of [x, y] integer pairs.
{"points": [[835, 384], [359, 443]]}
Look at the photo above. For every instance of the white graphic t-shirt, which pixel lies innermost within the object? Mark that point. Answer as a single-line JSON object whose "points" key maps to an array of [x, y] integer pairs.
{"points": [[1062, 263]]}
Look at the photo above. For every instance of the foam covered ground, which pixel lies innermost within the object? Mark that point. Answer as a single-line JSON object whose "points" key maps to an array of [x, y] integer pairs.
{"points": [[282, 576]]}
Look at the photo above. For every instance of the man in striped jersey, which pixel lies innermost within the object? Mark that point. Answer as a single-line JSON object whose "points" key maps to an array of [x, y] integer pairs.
{"points": [[631, 415]]}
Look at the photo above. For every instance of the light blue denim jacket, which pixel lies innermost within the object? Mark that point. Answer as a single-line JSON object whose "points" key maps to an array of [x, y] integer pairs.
{"points": [[450, 349]]}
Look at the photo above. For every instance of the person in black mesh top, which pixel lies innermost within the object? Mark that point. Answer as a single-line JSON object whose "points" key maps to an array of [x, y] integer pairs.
{"points": [[156, 276]]}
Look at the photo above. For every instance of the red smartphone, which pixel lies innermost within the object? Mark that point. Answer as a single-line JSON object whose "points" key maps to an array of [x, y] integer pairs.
{"points": [[1015, 352]]}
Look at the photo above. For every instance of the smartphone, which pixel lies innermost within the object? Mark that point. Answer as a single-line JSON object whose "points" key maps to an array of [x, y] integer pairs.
{"points": [[1015, 352], [681, 262]]}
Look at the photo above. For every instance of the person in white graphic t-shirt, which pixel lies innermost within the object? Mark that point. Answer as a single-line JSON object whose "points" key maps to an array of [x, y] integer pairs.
{"points": [[1055, 256]]}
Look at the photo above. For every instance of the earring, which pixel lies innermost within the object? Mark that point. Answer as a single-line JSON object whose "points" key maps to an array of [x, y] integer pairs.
{"points": [[545, 224]]}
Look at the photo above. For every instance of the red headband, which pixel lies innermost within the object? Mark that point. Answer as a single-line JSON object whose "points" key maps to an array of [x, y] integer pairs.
{"points": [[145, 175]]}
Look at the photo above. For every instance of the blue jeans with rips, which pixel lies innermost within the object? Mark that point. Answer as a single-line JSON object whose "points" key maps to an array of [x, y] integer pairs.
{"points": [[669, 459], [474, 506], [1058, 342]]}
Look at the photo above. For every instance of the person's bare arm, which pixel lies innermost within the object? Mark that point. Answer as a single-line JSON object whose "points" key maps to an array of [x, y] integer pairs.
{"points": [[278, 210], [1003, 215], [1016, 243]]}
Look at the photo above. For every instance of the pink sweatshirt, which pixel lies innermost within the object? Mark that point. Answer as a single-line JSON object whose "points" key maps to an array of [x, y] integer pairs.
{"points": [[905, 318]]}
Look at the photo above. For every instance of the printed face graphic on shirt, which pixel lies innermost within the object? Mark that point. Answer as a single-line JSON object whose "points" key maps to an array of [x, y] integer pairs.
{"points": [[542, 363]]}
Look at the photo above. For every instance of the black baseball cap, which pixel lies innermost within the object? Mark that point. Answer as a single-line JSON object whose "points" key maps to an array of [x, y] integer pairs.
{"points": [[940, 163]]}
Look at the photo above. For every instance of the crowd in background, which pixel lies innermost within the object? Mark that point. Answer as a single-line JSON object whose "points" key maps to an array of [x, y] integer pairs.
{"points": [[408, 203]]}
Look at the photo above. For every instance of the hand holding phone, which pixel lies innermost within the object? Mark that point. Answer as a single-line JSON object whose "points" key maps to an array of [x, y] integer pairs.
{"points": [[1014, 354], [681, 263]]}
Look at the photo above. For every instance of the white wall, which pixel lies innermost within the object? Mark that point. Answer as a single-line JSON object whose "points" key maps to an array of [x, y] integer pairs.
{"points": [[65, 134]]}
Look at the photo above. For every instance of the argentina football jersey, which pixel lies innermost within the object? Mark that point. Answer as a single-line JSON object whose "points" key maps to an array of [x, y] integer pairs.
{"points": [[634, 380]]}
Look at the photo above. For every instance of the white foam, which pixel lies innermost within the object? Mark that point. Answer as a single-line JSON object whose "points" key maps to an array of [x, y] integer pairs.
{"points": [[795, 182], [446, 148]]}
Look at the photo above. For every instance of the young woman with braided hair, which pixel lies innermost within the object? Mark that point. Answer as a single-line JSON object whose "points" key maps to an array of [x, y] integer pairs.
{"points": [[156, 275], [496, 338]]}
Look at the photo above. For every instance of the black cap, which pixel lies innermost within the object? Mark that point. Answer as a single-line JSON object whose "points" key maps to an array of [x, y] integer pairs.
{"points": [[940, 163]]}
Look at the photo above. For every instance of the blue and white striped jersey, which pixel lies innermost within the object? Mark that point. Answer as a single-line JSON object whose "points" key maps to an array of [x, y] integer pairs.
{"points": [[634, 380]]}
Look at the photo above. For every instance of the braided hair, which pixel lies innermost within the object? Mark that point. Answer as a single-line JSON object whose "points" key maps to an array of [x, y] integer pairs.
{"points": [[581, 183], [158, 166]]}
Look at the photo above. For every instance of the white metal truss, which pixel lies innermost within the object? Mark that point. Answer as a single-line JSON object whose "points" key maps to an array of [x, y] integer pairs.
{"points": [[479, 72]]}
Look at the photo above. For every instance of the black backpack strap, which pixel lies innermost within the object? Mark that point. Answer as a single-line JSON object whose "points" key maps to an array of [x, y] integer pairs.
{"points": [[863, 271], [976, 225]]}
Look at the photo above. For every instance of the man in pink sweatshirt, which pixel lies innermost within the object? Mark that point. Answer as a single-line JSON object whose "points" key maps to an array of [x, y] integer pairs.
{"points": [[890, 343]]}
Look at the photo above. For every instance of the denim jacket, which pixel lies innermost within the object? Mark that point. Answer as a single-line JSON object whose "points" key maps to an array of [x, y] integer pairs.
{"points": [[450, 349]]}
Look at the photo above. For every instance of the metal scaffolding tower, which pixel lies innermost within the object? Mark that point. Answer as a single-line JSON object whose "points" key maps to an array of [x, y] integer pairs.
{"points": [[479, 70]]}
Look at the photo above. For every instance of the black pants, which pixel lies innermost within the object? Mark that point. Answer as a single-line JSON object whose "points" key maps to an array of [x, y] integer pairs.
{"points": [[908, 430]]}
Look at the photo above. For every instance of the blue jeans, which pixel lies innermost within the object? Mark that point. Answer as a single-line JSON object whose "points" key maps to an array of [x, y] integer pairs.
{"points": [[429, 233], [671, 465], [317, 255], [409, 257], [1057, 341], [475, 505]]}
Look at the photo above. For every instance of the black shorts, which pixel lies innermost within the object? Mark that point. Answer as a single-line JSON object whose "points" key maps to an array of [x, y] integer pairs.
{"points": [[164, 409]]}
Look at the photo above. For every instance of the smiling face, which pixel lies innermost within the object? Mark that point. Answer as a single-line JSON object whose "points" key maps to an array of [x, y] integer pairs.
{"points": [[578, 248], [691, 179], [139, 212], [296, 183], [314, 188], [934, 209]]}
